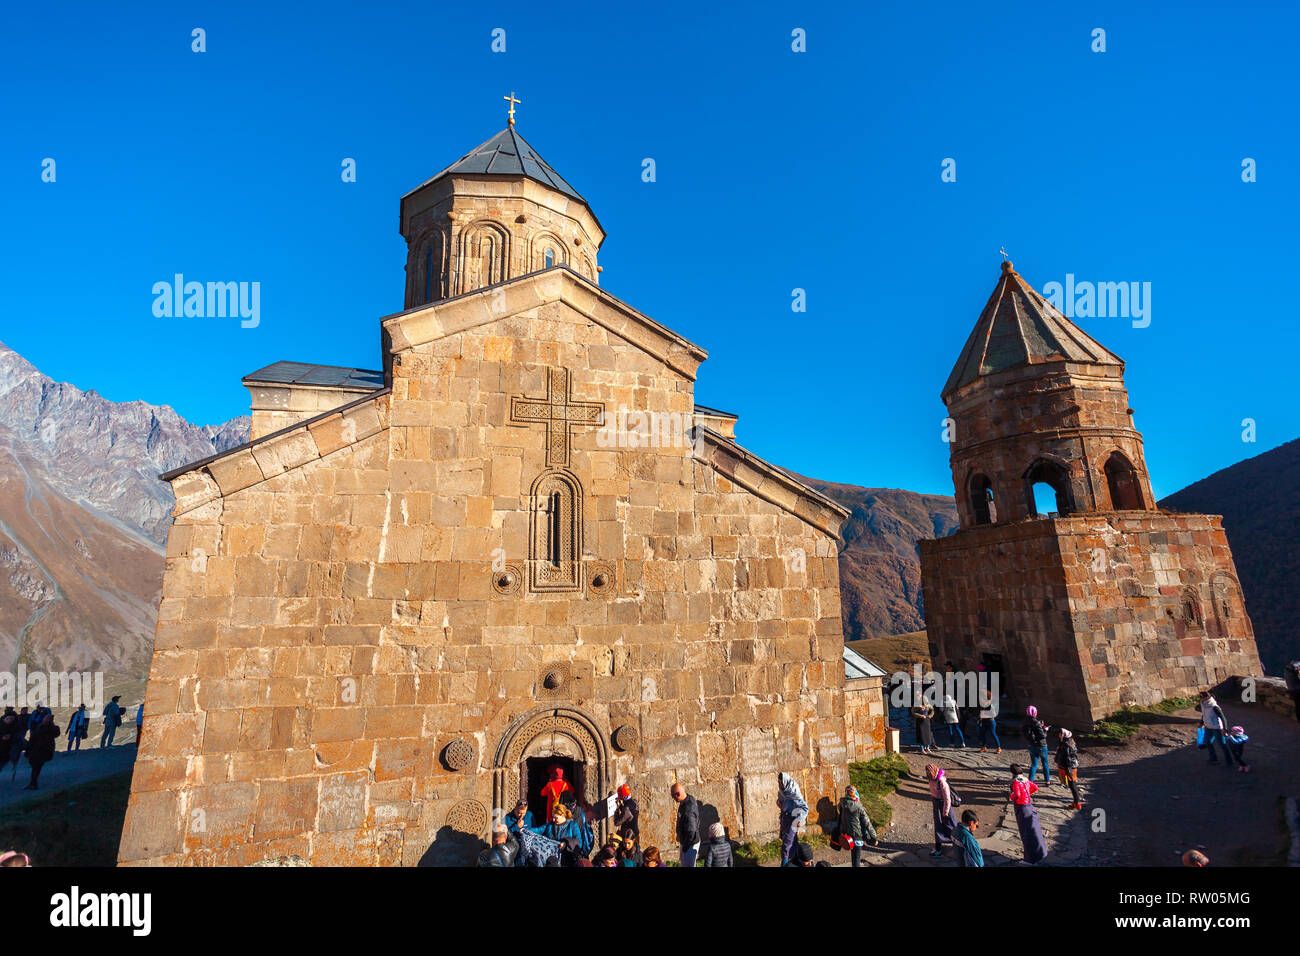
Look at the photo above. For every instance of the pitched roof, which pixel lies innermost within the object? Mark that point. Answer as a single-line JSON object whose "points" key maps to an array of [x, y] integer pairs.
{"points": [[855, 665], [508, 154], [1019, 327], [320, 376]]}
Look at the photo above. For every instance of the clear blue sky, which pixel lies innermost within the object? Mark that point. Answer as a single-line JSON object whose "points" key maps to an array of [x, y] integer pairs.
{"points": [[776, 170]]}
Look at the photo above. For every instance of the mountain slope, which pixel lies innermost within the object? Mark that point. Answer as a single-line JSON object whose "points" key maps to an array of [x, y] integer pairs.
{"points": [[1258, 500], [83, 520], [880, 573], [107, 455]]}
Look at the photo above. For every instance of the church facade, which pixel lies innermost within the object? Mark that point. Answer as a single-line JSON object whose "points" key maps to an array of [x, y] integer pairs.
{"points": [[1102, 600], [520, 545]]}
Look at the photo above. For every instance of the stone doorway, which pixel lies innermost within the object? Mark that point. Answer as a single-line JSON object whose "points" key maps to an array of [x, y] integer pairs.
{"points": [[541, 738]]}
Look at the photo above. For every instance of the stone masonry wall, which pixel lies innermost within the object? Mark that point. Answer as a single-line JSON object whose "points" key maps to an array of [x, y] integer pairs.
{"points": [[1092, 613], [338, 673]]}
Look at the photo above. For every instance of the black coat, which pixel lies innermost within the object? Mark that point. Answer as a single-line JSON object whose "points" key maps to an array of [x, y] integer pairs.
{"points": [[688, 822], [1035, 733], [627, 816], [41, 746], [1067, 754], [503, 855], [716, 851]]}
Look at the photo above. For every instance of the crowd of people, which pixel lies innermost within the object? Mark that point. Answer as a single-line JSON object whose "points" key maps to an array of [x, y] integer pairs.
{"points": [[566, 837], [36, 735]]}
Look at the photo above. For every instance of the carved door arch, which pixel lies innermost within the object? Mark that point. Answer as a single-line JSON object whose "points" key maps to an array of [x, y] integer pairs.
{"points": [[547, 731]]}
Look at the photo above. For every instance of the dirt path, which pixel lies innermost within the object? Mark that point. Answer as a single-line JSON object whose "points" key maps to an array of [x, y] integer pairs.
{"points": [[65, 770], [1145, 803]]}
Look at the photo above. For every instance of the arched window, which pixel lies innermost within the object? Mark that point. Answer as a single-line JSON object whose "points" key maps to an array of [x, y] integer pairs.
{"points": [[548, 258], [983, 509], [555, 550], [484, 256], [1047, 486], [1125, 487], [429, 283]]}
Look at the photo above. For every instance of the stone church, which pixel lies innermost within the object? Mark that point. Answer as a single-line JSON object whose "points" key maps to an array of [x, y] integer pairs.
{"points": [[1103, 600], [520, 544]]}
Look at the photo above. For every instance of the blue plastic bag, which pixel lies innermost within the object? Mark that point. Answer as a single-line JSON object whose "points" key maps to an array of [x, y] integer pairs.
{"points": [[1200, 738]]}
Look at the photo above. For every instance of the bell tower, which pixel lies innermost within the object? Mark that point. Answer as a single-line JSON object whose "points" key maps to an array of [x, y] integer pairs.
{"points": [[1064, 579], [1039, 412]]}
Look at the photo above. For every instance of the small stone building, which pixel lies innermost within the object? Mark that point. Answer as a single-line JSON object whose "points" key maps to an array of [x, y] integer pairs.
{"points": [[519, 545], [1101, 600], [865, 715]]}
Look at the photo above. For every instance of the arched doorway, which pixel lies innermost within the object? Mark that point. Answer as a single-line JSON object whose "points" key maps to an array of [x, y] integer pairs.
{"points": [[546, 737]]}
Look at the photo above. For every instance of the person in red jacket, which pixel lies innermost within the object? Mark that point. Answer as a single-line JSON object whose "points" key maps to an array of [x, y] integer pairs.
{"points": [[554, 789]]}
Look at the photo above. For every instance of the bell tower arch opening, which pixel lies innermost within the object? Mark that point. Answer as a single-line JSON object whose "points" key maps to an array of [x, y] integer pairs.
{"points": [[1047, 489], [983, 505], [1123, 483]]}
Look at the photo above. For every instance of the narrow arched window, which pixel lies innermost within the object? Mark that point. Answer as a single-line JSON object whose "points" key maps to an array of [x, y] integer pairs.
{"points": [[428, 274], [555, 552], [556, 534], [1123, 484], [548, 258], [983, 509]]}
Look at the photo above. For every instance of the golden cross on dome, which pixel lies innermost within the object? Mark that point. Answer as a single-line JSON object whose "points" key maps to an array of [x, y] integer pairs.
{"points": [[512, 101]]}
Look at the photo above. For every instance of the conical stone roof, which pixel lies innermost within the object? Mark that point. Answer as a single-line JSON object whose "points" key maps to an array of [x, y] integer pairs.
{"points": [[1019, 327]]}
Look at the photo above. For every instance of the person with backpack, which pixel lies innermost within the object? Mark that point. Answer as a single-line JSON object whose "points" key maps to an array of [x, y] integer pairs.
{"points": [[953, 721], [1022, 804], [1035, 734], [1216, 728], [112, 720], [942, 800], [856, 828], [77, 727], [1067, 765]]}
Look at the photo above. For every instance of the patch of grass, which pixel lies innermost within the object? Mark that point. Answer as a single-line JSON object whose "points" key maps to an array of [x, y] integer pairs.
{"points": [[766, 854], [75, 826], [1123, 724], [875, 780]]}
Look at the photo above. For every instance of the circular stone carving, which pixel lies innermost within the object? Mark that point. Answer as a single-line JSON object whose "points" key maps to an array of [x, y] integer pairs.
{"points": [[468, 816], [627, 737], [458, 754], [600, 579], [554, 679], [508, 580]]}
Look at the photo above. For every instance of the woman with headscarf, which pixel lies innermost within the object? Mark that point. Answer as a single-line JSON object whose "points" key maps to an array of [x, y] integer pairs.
{"points": [[945, 821], [794, 811], [1067, 765], [1021, 797], [855, 826], [1035, 733]]}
